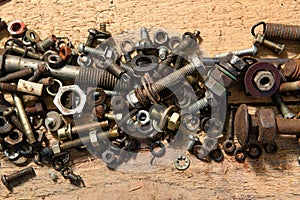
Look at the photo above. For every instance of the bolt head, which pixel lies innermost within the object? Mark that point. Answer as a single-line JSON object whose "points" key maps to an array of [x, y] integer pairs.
{"points": [[93, 31], [173, 122], [81, 48], [4, 180]]}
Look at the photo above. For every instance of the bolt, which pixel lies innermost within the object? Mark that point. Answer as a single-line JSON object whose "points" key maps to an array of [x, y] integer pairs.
{"points": [[86, 49], [103, 26], [290, 86], [260, 40], [282, 107], [142, 97], [12, 47], [9, 87], [267, 124], [91, 38], [46, 44], [84, 140], [292, 69], [17, 75], [69, 131], [243, 52], [8, 180], [199, 105], [24, 119], [145, 42], [192, 140], [162, 52]]}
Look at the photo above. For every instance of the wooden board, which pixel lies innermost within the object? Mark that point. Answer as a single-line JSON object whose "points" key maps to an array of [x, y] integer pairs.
{"points": [[224, 25]]}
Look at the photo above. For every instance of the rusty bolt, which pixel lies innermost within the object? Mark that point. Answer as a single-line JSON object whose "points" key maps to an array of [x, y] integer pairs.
{"points": [[26, 173]]}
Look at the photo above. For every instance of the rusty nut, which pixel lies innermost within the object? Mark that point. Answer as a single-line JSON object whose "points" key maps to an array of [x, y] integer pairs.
{"points": [[16, 28], [266, 125], [14, 137]]}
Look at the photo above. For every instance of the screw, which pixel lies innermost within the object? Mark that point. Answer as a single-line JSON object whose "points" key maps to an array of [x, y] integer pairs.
{"points": [[12, 47], [162, 52], [86, 49], [103, 26], [91, 38], [7, 180], [199, 105], [145, 42], [260, 40], [17, 75], [24, 119], [142, 97], [282, 107], [192, 140], [46, 44], [243, 52]]}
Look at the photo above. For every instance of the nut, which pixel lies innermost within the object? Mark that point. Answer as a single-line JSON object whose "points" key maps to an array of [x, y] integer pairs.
{"points": [[266, 125], [14, 137], [77, 91], [173, 122], [264, 80], [56, 147], [16, 28]]}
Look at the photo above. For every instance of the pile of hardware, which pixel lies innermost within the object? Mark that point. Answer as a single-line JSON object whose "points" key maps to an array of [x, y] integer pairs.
{"points": [[121, 96]]}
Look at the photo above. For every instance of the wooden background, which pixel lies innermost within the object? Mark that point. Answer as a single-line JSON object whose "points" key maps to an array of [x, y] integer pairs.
{"points": [[225, 25]]}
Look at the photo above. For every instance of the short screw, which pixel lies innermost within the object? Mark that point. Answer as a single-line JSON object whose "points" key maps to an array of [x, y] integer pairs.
{"points": [[243, 52], [91, 38], [7, 180], [86, 49], [260, 40], [282, 107], [192, 140]]}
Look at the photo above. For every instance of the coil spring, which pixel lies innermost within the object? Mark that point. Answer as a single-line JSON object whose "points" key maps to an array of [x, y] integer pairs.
{"points": [[99, 77], [278, 31], [292, 70]]}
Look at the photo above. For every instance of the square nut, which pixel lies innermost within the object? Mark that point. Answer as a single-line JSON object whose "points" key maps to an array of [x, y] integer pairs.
{"points": [[266, 125]]}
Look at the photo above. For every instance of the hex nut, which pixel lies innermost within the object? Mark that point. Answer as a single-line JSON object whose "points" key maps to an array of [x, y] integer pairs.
{"points": [[173, 122], [14, 137], [16, 28], [132, 99], [264, 80], [266, 125], [72, 88], [56, 147]]}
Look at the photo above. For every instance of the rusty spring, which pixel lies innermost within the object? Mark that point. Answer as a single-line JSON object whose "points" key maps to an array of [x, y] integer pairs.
{"points": [[278, 31]]}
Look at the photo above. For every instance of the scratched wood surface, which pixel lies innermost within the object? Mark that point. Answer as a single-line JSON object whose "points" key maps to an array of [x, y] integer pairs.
{"points": [[224, 25]]}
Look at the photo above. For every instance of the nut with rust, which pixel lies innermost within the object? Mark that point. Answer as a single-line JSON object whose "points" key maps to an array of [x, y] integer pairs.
{"points": [[14, 137], [264, 80], [16, 28], [266, 125], [69, 89]]}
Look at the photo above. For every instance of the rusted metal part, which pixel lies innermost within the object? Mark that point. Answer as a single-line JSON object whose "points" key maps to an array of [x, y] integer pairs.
{"points": [[289, 86], [30, 87], [65, 52], [16, 28], [288, 126], [47, 81], [266, 125], [292, 69], [37, 108], [17, 75], [251, 73], [8, 87], [19, 176], [241, 125]]}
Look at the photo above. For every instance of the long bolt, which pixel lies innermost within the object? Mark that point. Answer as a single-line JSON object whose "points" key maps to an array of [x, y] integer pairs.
{"points": [[17, 75], [282, 107], [24, 119], [86, 49], [7, 180], [199, 105], [289, 86], [84, 140], [260, 40], [243, 52], [22, 51]]}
